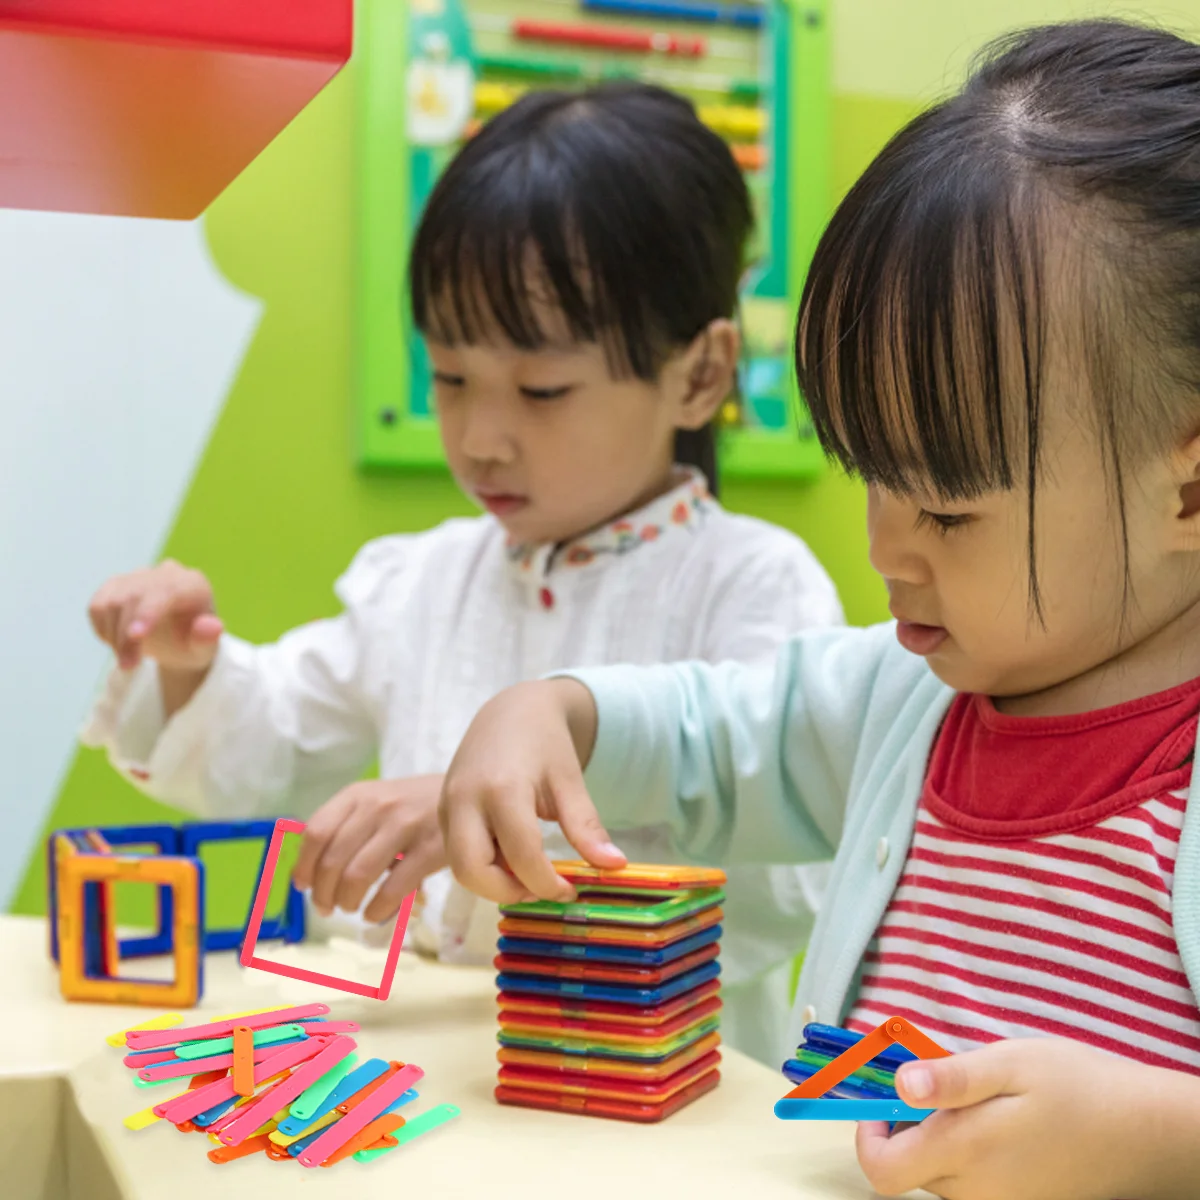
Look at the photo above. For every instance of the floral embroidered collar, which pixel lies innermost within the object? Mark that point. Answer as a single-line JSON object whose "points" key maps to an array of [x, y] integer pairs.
{"points": [[680, 508]]}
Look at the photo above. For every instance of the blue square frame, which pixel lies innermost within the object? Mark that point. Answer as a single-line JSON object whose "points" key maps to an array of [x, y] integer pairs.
{"points": [[289, 927]]}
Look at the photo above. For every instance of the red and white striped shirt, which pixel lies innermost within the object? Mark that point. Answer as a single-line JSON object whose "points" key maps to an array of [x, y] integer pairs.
{"points": [[1036, 898]]}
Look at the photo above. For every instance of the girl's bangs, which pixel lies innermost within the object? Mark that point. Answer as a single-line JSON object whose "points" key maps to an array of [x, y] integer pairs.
{"points": [[527, 266], [919, 340]]}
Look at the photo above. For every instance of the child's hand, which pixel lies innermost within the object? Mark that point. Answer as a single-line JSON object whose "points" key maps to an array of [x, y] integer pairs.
{"points": [[1038, 1118], [521, 761], [351, 841], [165, 613]]}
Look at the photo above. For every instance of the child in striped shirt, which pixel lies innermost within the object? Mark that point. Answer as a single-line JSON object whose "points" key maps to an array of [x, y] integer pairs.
{"points": [[1000, 334]]}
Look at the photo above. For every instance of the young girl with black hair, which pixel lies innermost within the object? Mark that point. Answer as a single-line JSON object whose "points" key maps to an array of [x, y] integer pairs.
{"points": [[1000, 334], [575, 275]]}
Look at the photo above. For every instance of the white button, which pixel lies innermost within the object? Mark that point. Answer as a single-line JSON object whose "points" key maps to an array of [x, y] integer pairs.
{"points": [[881, 853], [809, 1015]]}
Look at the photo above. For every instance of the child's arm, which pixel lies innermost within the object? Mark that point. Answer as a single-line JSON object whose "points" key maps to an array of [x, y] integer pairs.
{"points": [[1042, 1119], [221, 727], [749, 764]]}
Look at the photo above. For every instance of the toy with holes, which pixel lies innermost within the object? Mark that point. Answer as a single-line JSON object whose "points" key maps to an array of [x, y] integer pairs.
{"points": [[756, 70], [285, 1083], [842, 1076], [83, 868], [610, 1005]]}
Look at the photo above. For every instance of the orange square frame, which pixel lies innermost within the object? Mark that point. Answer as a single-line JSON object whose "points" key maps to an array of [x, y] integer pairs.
{"points": [[182, 876]]}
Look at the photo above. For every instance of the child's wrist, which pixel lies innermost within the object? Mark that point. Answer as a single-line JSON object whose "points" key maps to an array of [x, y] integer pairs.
{"points": [[178, 685], [578, 706], [1167, 1142]]}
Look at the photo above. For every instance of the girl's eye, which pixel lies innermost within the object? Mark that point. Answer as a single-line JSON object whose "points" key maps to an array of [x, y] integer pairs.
{"points": [[555, 393], [447, 380], [942, 522]]}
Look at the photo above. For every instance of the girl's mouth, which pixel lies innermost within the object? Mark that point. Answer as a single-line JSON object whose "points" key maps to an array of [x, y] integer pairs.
{"points": [[501, 504], [920, 639]]}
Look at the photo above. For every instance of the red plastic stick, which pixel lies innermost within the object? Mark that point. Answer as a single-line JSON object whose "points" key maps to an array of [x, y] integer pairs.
{"points": [[152, 1039], [609, 39], [243, 1060]]}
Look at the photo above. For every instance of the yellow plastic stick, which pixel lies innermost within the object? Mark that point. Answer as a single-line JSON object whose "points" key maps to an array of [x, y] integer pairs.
{"points": [[166, 1021], [282, 1139], [146, 1118]]}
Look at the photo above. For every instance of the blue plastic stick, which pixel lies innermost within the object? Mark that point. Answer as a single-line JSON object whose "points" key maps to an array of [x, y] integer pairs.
{"points": [[354, 1082], [848, 1110], [742, 16], [298, 1147]]}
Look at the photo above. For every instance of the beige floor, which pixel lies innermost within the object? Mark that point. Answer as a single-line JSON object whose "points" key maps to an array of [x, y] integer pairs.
{"points": [[64, 1092]]}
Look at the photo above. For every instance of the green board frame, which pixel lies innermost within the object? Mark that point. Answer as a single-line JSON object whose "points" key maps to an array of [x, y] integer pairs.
{"points": [[387, 436]]}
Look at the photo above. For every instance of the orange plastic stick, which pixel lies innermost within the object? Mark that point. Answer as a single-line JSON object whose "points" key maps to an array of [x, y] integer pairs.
{"points": [[359, 1096], [894, 1029], [204, 1079], [369, 1134], [243, 1060], [254, 1145], [278, 1153]]}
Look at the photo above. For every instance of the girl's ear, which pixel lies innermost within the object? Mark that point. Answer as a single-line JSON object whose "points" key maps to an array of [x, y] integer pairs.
{"points": [[1186, 499], [702, 376]]}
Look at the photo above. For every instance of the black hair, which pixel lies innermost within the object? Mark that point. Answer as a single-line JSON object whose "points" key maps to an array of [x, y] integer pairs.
{"points": [[632, 213], [1069, 163]]}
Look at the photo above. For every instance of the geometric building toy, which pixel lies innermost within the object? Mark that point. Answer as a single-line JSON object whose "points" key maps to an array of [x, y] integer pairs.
{"points": [[91, 953], [254, 930], [806, 1102]]}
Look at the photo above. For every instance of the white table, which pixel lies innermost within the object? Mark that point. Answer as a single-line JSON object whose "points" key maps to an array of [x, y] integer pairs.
{"points": [[64, 1092]]}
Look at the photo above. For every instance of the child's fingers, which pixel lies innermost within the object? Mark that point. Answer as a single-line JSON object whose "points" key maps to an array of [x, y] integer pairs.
{"points": [[581, 823], [519, 839], [405, 877], [471, 852], [207, 627], [367, 865], [138, 617], [900, 1162], [318, 833], [959, 1080], [354, 832]]}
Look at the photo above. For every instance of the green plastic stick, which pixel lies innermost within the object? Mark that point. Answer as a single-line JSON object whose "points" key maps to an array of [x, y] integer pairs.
{"points": [[262, 1037], [547, 68], [307, 1103], [412, 1129]]}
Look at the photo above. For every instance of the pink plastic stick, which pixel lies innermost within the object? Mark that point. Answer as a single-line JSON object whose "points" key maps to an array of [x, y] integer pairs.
{"points": [[317, 1027], [254, 1115], [250, 959], [137, 1061], [358, 1118], [197, 1066], [184, 1108], [152, 1039], [233, 1114]]}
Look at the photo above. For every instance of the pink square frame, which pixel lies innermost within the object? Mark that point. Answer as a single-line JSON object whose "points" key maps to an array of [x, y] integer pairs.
{"points": [[249, 959]]}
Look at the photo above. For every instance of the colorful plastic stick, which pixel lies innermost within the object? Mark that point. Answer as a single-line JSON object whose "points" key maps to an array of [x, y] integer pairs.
{"points": [[341, 1131], [207, 1047], [357, 1079], [597, 38], [152, 1039], [288, 1139], [166, 1021], [198, 1101], [367, 1136], [303, 1078], [248, 958], [351, 1102], [242, 1071], [218, 1062], [413, 1129], [308, 1104], [740, 16], [146, 1117], [254, 1145], [805, 1102]]}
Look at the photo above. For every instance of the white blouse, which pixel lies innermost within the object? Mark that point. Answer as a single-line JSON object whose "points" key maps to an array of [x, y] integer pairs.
{"points": [[434, 624]]}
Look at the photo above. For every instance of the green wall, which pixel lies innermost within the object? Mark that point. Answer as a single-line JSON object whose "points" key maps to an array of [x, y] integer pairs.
{"points": [[276, 509]]}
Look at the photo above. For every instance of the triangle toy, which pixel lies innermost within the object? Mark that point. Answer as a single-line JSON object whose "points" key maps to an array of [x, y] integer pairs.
{"points": [[807, 1101]]}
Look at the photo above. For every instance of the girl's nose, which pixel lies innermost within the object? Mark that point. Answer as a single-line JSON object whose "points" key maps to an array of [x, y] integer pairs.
{"points": [[486, 436], [890, 527]]}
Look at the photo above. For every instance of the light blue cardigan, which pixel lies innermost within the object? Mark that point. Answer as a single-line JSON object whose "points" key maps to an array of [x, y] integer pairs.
{"points": [[821, 753]]}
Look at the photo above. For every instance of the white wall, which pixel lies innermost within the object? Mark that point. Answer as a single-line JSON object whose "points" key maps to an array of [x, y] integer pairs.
{"points": [[119, 341]]}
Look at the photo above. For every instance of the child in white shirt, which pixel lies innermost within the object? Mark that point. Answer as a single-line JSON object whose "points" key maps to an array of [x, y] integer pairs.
{"points": [[580, 328]]}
